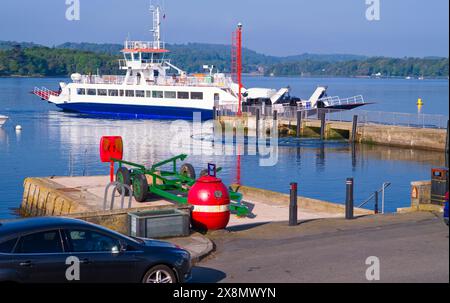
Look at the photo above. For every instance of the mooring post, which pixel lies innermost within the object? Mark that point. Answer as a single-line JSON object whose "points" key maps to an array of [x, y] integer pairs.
{"points": [[376, 202], [349, 199], [322, 125], [355, 124], [446, 148], [293, 205], [299, 123], [257, 123]]}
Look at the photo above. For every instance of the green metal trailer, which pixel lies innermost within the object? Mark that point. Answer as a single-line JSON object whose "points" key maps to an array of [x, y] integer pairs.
{"points": [[168, 184]]}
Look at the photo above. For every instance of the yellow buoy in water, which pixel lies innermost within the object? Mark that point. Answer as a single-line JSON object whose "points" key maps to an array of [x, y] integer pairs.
{"points": [[419, 102]]}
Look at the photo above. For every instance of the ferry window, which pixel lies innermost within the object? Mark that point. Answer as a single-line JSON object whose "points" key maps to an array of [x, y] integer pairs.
{"points": [[157, 94], [129, 93], [101, 92], [140, 93], [216, 97], [128, 56], [170, 95], [196, 96], [113, 92], [121, 92], [148, 94], [91, 92], [136, 57], [157, 56], [146, 56], [183, 95], [81, 91]]}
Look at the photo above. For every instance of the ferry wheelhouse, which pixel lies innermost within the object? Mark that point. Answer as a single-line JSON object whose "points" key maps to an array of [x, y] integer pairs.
{"points": [[152, 86]]}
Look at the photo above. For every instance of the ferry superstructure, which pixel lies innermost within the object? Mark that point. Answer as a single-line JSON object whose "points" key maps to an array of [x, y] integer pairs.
{"points": [[148, 89]]}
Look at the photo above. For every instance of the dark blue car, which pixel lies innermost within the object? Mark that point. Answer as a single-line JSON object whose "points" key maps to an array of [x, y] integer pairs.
{"points": [[56, 249]]}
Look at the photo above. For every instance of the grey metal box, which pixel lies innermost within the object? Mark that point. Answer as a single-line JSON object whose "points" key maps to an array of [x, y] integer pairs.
{"points": [[159, 223]]}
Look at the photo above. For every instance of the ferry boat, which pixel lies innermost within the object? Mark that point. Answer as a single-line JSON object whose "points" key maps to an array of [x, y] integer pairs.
{"points": [[148, 89], [3, 120], [154, 88]]}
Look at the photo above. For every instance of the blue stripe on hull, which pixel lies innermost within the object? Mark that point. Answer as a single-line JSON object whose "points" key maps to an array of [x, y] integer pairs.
{"points": [[136, 111]]}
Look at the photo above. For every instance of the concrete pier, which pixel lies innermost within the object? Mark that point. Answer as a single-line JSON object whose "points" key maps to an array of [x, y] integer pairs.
{"points": [[377, 134], [82, 197]]}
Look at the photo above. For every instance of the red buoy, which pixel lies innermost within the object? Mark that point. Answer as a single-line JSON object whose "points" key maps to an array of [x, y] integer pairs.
{"points": [[211, 202]]}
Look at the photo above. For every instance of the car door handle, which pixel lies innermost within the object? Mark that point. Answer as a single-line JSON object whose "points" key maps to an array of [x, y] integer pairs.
{"points": [[26, 263]]}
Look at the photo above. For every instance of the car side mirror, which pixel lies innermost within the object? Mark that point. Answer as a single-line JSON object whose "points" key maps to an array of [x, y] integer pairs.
{"points": [[115, 250], [122, 247]]}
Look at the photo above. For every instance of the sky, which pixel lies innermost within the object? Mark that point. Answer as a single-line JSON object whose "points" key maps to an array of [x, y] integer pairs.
{"points": [[414, 28]]}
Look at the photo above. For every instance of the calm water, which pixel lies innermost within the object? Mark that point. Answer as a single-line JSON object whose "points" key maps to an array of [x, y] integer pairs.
{"points": [[57, 143]]}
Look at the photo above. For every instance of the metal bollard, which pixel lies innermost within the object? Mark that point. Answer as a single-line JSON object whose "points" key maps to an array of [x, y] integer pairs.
{"points": [[354, 128], [299, 123], [293, 205], [376, 202], [322, 125], [349, 199], [257, 123]]}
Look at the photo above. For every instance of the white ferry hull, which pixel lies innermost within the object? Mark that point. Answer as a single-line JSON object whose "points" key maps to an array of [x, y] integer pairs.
{"points": [[135, 111]]}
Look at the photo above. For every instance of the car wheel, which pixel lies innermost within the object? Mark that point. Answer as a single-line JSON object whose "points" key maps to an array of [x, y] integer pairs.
{"points": [[160, 274]]}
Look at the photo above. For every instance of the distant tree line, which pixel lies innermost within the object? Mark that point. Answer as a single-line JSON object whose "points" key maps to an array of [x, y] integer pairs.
{"points": [[376, 66], [34, 60]]}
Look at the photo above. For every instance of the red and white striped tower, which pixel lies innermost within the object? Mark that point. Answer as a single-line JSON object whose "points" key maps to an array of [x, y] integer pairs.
{"points": [[236, 62]]}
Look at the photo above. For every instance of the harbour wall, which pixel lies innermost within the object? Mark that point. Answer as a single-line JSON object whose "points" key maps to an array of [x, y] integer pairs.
{"points": [[377, 134]]}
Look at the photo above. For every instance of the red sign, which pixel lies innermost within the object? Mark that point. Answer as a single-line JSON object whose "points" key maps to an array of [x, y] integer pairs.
{"points": [[111, 147]]}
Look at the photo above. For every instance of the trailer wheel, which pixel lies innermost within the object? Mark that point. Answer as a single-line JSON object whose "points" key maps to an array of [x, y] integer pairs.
{"points": [[140, 188], [187, 170], [204, 172], [123, 176]]}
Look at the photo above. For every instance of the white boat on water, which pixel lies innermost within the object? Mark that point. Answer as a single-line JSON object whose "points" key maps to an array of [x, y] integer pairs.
{"points": [[3, 120], [153, 87]]}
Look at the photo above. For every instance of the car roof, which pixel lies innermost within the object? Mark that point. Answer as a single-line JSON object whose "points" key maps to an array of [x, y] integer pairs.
{"points": [[25, 225]]}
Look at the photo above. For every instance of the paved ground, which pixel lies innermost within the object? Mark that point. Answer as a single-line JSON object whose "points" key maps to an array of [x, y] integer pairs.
{"points": [[198, 245], [411, 248], [92, 190]]}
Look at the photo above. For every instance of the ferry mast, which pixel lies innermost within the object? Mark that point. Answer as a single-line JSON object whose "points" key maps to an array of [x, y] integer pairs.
{"points": [[156, 30]]}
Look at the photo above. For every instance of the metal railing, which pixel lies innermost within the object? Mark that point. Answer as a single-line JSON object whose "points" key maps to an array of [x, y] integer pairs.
{"points": [[164, 81], [44, 93], [125, 189], [391, 118], [375, 197], [144, 45], [335, 100], [364, 117]]}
